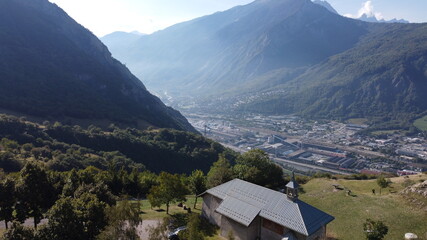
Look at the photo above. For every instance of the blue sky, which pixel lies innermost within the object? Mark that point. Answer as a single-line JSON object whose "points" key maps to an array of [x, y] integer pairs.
{"points": [[106, 16]]}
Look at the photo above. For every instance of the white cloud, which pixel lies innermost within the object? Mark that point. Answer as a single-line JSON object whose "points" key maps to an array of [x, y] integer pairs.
{"points": [[367, 9]]}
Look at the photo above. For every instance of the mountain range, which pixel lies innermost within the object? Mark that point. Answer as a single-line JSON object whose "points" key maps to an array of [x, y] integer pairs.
{"points": [[374, 19], [287, 56], [53, 68]]}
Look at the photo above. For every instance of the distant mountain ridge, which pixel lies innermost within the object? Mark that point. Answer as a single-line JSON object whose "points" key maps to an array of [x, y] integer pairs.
{"points": [[117, 39], [223, 50], [283, 57], [54, 68], [373, 19], [375, 78], [326, 5]]}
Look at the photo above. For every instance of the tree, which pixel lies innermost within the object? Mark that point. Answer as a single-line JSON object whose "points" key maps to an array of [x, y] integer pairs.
{"points": [[18, 232], [36, 192], [170, 189], [123, 220], [100, 190], [374, 230], [197, 181], [91, 212], [7, 200], [255, 166], [133, 187], [382, 182], [219, 173], [64, 222], [75, 218], [194, 227], [71, 184]]}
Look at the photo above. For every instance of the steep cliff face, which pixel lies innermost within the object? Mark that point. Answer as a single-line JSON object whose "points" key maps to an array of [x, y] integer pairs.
{"points": [[53, 67]]}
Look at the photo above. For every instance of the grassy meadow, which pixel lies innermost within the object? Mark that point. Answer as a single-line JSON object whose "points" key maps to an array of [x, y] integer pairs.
{"points": [[159, 213], [421, 123], [350, 212], [358, 121]]}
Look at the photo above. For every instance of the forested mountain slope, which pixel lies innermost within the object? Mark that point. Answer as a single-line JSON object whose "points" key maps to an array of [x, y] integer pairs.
{"points": [[54, 68], [63, 147], [384, 75]]}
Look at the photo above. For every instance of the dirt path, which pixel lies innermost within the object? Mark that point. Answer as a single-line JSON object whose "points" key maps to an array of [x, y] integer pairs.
{"points": [[28, 223], [142, 228]]}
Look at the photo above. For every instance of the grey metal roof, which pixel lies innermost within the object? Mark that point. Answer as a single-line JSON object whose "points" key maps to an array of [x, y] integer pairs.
{"points": [[238, 210], [243, 201]]}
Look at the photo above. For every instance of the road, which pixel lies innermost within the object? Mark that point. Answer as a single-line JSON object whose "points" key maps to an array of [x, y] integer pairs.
{"points": [[315, 167]]}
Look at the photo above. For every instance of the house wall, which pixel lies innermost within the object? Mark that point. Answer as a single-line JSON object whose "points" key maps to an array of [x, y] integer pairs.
{"points": [[270, 235], [319, 235], [271, 230], [240, 231], [276, 234], [210, 203]]}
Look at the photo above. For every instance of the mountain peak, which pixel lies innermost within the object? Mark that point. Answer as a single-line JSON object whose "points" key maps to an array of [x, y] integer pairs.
{"points": [[326, 5]]}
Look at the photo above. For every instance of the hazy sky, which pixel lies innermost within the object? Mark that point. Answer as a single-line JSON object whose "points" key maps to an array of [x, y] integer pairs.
{"points": [[146, 16]]}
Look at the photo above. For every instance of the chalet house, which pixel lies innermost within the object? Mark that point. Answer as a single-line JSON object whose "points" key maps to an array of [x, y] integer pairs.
{"points": [[252, 212]]}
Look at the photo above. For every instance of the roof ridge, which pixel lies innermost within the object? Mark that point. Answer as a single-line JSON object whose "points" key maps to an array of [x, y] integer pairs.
{"points": [[302, 218]]}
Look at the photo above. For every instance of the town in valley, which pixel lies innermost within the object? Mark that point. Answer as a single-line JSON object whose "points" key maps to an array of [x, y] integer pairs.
{"points": [[309, 146]]}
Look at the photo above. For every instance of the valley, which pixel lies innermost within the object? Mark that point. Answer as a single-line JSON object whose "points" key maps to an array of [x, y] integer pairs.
{"points": [[309, 146], [269, 113]]}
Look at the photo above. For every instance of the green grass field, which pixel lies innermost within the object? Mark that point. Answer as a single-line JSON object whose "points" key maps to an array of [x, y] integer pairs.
{"points": [[159, 213], [359, 121], [421, 123], [350, 212], [387, 132]]}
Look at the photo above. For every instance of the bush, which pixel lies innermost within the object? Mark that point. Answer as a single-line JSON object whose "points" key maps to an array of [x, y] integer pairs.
{"points": [[18, 232]]}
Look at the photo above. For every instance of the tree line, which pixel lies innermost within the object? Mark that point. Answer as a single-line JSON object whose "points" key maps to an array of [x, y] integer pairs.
{"points": [[91, 198], [65, 147]]}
